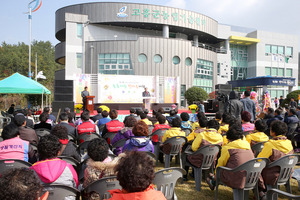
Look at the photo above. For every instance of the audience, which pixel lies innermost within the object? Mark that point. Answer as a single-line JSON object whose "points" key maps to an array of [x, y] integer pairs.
{"points": [[140, 140], [43, 122], [63, 117], [145, 119], [13, 147], [71, 119], [124, 133], [246, 125], [86, 126], [218, 116], [50, 169], [258, 135], [98, 116], [174, 131], [131, 111], [114, 125], [138, 112], [161, 123], [202, 123], [185, 123], [277, 116], [21, 184], [274, 149], [196, 125], [135, 173], [68, 148], [51, 117], [172, 116], [105, 118]]}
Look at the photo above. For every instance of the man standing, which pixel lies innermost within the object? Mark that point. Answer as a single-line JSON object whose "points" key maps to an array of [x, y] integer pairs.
{"points": [[234, 107], [249, 105], [293, 103], [280, 100], [146, 94], [84, 94]]}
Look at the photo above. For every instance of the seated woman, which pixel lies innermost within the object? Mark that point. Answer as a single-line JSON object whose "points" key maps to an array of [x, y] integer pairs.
{"points": [[140, 141], [227, 120], [174, 131], [161, 123], [43, 122], [124, 133], [258, 135], [21, 184], [235, 153], [114, 125], [51, 169], [135, 173], [185, 123], [274, 149], [202, 122], [13, 147], [246, 125], [99, 164]]}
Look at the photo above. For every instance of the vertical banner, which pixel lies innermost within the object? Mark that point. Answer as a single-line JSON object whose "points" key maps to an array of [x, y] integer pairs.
{"points": [[170, 89], [80, 81]]}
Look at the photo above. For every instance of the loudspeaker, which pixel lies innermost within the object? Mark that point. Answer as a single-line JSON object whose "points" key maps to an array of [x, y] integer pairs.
{"points": [[223, 89], [167, 109], [63, 90]]}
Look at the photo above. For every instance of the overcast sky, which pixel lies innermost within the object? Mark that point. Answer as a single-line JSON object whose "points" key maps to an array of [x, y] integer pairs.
{"points": [[269, 15]]}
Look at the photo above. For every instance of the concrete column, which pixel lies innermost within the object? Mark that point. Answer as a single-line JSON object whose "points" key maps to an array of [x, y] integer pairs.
{"points": [[227, 46], [165, 31], [195, 41]]}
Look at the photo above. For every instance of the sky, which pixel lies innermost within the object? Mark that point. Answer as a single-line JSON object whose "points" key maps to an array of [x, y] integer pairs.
{"points": [[268, 15]]}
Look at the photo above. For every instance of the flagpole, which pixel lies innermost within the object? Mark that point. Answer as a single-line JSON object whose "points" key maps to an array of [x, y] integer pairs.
{"points": [[36, 67], [29, 17]]}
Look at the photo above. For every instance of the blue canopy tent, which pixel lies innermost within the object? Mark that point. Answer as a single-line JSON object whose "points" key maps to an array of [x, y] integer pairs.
{"points": [[19, 84]]}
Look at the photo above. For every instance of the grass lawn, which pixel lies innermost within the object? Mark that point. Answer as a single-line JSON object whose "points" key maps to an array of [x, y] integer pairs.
{"points": [[188, 191]]}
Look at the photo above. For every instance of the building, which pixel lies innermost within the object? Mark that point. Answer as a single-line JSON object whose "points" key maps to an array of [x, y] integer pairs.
{"points": [[150, 40]]}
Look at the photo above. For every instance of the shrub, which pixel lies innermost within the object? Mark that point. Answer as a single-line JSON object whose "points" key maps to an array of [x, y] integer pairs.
{"points": [[287, 100], [195, 94]]}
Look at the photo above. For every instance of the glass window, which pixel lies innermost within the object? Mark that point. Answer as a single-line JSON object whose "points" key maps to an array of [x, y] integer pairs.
{"points": [[280, 72], [289, 51], [268, 49], [142, 58], [274, 49], [281, 50], [157, 58], [79, 60], [188, 61], [114, 67], [268, 71], [79, 30], [176, 60], [120, 66], [274, 71], [107, 67], [289, 72]]}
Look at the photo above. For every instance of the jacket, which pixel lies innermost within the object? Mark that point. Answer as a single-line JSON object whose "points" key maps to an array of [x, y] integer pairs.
{"points": [[124, 133], [42, 125], [56, 171], [274, 149], [130, 115], [291, 119], [16, 148], [248, 127], [195, 125], [172, 132], [194, 134], [104, 120], [112, 127], [86, 127], [233, 155], [95, 170], [149, 194], [207, 137], [249, 105], [28, 134], [276, 117], [186, 125], [71, 129], [70, 151], [234, 106], [138, 143], [160, 126], [97, 117], [223, 129], [146, 120], [256, 137]]}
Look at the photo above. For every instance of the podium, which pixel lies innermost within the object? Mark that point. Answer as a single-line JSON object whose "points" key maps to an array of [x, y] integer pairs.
{"points": [[90, 103], [147, 102]]}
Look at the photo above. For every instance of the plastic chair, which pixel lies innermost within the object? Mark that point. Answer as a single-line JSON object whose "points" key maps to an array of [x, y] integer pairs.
{"points": [[109, 137], [208, 154], [70, 160], [165, 181], [156, 138], [71, 138], [59, 192], [252, 169], [42, 132], [84, 137], [296, 175], [286, 165], [152, 155], [257, 148], [187, 131], [291, 129], [12, 164], [119, 143], [102, 187], [101, 127], [82, 148], [176, 145], [271, 192]]}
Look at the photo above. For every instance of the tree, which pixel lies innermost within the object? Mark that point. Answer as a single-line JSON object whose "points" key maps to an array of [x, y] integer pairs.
{"points": [[195, 94], [293, 94]]}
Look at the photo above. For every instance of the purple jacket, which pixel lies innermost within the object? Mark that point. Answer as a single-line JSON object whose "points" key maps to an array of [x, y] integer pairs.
{"points": [[124, 133], [138, 143]]}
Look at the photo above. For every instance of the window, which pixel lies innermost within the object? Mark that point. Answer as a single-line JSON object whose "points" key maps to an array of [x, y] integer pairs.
{"points": [[268, 71], [281, 50], [280, 72], [115, 63], [267, 49], [79, 30], [176, 60], [274, 49], [157, 58], [79, 60], [218, 69], [142, 58], [274, 71], [204, 75], [289, 72], [188, 61], [289, 51]]}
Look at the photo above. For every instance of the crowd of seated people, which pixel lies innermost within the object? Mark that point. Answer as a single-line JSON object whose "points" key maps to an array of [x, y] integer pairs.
{"points": [[232, 135]]}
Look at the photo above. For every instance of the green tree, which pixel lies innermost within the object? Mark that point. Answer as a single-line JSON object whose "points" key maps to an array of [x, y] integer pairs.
{"points": [[195, 94], [293, 94]]}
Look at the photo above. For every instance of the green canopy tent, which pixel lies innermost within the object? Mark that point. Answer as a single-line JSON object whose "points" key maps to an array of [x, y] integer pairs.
{"points": [[19, 84]]}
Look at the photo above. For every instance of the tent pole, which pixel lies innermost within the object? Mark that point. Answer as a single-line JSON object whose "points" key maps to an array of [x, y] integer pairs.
{"points": [[46, 100], [42, 100]]}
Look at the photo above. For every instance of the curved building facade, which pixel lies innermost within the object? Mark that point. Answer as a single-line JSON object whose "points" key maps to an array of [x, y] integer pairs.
{"points": [[150, 40]]}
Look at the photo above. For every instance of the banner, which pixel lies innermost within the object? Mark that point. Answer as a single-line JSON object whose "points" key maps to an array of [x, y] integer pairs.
{"points": [[170, 89], [124, 88], [80, 81]]}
